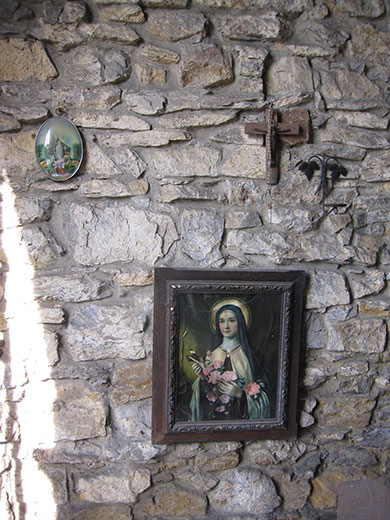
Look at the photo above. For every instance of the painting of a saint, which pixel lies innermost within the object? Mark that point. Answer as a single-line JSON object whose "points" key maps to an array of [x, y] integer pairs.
{"points": [[225, 354], [229, 378]]}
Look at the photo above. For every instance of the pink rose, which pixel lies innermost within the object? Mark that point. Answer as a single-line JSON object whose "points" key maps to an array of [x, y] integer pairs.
{"points": [[207, 371], [211, 396], [224, 399], [253, 389], [220, 409], [217, 364], [229, 375], [214, 378], [208, 353]]}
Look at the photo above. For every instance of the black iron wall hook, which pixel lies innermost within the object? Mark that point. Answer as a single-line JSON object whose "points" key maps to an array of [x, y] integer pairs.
{"points": [[325, 164]]}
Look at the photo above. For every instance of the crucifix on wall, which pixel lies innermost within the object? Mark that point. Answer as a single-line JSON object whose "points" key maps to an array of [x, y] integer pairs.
{"points": [[291, 127]]}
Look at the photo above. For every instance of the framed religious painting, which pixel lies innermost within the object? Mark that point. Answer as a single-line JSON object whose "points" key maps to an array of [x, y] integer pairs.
{"points": [[226, 354]]}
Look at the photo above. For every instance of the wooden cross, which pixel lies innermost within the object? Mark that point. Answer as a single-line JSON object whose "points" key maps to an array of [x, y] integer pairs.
{"points": [[292, 129]]}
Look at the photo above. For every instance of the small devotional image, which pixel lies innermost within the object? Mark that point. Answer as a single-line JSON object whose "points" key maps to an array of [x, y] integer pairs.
{"points": [[59, 148]]}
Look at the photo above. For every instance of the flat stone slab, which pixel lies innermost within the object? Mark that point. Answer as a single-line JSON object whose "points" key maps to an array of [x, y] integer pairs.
{"points": [[364, 499]]}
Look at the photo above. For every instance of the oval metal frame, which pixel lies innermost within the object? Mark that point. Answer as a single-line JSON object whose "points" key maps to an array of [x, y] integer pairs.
{"points": [[59, 148]]}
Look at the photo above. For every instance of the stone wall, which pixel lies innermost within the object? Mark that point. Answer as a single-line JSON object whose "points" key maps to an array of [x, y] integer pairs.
{"points": [[161, 90]]}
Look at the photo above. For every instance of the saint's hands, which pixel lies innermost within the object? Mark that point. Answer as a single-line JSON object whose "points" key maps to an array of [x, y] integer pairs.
{"points": [[198, 369], [230, 388]]}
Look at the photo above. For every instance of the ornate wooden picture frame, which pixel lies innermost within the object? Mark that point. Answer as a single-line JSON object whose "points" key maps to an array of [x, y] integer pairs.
{"points": [[226, 354]]}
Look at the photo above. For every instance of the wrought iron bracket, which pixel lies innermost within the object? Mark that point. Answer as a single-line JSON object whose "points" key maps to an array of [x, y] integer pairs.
{"points": [[324, 164]]}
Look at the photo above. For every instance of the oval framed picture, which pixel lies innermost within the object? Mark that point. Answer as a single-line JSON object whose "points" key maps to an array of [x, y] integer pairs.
{"points": [[59, 148]]}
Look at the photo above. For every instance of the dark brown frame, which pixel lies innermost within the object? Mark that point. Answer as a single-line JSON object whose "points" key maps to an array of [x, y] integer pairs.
{"points": [[170, 283]]}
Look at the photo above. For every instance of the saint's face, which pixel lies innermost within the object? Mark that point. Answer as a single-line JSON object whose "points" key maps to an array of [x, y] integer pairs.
{"points": [[228, 324]]}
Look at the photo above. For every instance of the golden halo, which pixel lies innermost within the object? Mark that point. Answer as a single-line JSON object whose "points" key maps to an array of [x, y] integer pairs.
{"points": [[230, 301]]}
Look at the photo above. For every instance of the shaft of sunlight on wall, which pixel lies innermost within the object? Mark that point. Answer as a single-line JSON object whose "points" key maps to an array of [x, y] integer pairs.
{"points": [[28, 372]]}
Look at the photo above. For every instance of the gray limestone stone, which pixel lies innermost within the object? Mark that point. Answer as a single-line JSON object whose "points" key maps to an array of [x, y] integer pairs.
{"points": [[69, 288], [145, 103], [51, 315], [357, 335], [317, 335], [171, 501], [139, 235], [345, 89], [191, 161], [369, 45], [23, 61], [39, 249], [172, 192], [147, 139], [175, 25], [350, 412], [98, 162], [196, 119], [376, 167], [119, 33], [149, 75], [87, 99], [273, 452], [136, 277], [244, 161], [30, 210], [205, 65], [63, 36], [201, 236], [104, 121], [106, 487], [122, 13], [158, 54], [244, 491], [321, 33], [104, 512], [288, 75], [295, 6], [105, 332], [249, 27], [327, 288], [260, 242], [79, 412], [371, 282], [31, 114], [239, 219], [95, 67], [316, 245], [352, 368], [114, 188], [363, 120], [73, 12], [360, 8]]}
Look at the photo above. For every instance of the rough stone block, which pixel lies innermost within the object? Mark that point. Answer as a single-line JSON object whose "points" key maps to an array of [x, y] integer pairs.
{"points": [[288, 75], [244, 491], [170, 501], [113, 488], [249, 27], [69, 288], [102, 332], [205, 65], [201, 236], [357, 335], [139, 235], [132, 382], [175, 26], [21, 61], [327, 288], [78, 412]]}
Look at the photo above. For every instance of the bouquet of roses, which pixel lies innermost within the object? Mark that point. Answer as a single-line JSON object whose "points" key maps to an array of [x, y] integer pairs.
{"points": [[213, 373]]}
